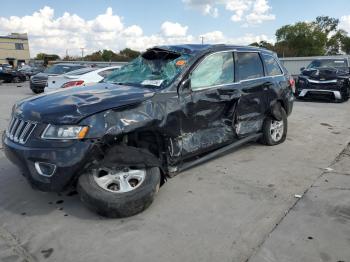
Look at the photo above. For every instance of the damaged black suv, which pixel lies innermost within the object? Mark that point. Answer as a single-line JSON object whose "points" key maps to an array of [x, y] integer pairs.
{"points": [[169, 109], [326, 79]]}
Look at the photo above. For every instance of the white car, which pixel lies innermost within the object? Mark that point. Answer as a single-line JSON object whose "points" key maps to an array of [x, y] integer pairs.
{"points": [[78, 78]]}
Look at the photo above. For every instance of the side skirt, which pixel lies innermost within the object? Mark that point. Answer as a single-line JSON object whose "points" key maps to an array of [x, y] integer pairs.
{"points": [[217, 153]]}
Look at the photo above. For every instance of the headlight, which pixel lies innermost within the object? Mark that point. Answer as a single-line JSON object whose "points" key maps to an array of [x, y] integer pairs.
{"points": [[65, 132]]}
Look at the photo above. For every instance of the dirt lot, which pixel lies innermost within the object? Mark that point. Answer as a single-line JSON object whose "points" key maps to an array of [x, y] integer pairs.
{"points": [[240, 207]]}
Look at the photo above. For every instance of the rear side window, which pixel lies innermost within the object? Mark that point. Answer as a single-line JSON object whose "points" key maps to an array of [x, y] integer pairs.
{"points": [[249, 65], [272, 66]]}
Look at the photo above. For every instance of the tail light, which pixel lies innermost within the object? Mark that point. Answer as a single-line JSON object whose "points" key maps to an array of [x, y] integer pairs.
{"points": [[292, 83], [73, 83]]}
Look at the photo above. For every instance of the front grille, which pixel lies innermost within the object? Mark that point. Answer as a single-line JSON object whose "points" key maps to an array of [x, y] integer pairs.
{"points": [[39, 81], [19, 130], [323, 86]]}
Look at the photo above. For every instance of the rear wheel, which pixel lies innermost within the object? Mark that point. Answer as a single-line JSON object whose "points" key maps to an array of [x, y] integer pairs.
{"points": [[118, 192], [274, 131], [16, 79]]}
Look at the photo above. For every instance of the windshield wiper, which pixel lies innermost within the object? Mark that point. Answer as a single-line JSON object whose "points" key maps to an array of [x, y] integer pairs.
{"points": [[125, 84]]}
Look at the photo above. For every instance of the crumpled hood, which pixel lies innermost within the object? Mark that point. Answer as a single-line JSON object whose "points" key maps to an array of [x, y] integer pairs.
{"points": [[324, 73], [71, 105]]}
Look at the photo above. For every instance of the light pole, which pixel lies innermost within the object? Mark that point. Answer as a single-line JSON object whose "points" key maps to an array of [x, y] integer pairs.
{"points": [[82, 53]]}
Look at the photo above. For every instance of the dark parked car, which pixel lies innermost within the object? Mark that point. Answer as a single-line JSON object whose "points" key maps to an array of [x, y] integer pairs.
{"points": [[39, 81], [9, 75], [325, 79], [29, 71], [169, 109]]}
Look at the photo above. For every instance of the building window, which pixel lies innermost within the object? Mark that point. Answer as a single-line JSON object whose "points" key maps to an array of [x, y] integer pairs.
{"points": [[19, 46]]}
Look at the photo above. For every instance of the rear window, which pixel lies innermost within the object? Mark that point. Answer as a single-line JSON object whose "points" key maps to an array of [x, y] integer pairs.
{"points": [[272, 66], [61, 69], [249, 65], [81, 71]]}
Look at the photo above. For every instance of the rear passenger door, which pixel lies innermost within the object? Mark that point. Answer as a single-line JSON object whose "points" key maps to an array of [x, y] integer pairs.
{"points": [[252, 106], [276, 76]]}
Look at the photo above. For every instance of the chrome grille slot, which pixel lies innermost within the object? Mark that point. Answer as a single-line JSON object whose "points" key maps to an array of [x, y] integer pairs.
{"points": [[20, 130]]}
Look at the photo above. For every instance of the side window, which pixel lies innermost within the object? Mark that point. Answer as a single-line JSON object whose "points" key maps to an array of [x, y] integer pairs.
{"points": [[249, 65], [216, 69], [272, 66], [19, 46]]}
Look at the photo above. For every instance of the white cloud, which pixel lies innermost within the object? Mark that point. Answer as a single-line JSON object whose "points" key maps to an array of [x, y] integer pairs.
{"points": [[217, 37], [170, 29], [51, 34], [251, 12], [345, 23], [106, 22], [213, 37]]}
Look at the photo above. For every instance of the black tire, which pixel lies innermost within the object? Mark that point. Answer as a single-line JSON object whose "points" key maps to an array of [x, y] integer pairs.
{"points": [[267, 138], [117, 205], [16, 79], [36, 91], [345, 95]]}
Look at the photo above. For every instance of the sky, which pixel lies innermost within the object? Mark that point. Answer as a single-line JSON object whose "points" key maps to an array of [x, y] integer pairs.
{"points": [[67, 26]]}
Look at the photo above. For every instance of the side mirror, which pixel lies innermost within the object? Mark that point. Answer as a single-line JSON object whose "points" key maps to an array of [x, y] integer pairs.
{"points": [[302, 69], [186, 84]]}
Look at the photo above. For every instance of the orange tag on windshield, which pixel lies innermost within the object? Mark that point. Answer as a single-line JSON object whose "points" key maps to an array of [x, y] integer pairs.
{"points": [[180, 63]]}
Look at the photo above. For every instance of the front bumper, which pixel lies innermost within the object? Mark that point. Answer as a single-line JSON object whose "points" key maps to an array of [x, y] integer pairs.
{"points": [[319, 92], [320, 89], [68, 161]]}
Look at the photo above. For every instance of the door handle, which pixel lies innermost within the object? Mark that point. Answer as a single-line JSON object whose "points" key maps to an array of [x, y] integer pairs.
{"points": [[267, 85]]}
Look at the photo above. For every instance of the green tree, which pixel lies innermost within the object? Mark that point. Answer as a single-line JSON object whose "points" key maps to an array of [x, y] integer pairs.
{"points": [[43, 56], [326, 24], [264, 44], [345, 45], [335, 42], [301, 39], [129, 53], [124, 55]]}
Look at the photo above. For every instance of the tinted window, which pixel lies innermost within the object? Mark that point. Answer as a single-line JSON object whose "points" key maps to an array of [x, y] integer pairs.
{"points": [[249, 65], [81, 71], [216, 69], [272, 66], [61, 69], [338, 63]]}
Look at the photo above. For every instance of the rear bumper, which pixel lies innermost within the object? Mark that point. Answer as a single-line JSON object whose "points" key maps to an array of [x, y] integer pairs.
{"points": [[68, 162], [37, 88]]}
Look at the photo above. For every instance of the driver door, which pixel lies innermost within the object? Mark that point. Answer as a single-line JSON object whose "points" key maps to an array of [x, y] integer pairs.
{"points": [[208, 105]]}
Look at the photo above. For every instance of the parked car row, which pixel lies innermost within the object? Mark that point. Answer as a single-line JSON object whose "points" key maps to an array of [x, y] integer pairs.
{"points": [[170, 109], [78, 78], [38, 82], [9, 75]]}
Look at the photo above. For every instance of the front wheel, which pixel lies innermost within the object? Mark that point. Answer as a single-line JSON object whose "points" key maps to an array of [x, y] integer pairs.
{"points": [[274, 131], [119, 192], [16, 79]]}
